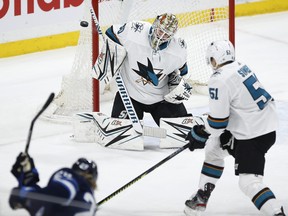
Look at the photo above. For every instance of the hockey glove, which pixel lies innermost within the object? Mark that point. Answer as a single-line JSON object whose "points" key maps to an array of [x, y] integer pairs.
{"points": [[110, 59], [197, 137], [24, 170], [227, 142], [174, 79], [180, 93]]}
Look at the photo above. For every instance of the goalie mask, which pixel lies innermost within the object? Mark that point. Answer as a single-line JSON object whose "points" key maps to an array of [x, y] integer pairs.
{"points": [[221, 51], [87, 169], [163, 29]]}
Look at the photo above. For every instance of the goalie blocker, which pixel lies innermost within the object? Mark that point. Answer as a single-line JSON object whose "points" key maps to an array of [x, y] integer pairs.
{"points": [[119, 133]]}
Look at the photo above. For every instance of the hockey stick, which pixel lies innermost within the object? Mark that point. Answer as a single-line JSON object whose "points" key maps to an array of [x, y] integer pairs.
{"points": [[120, 84], [143, 174], [49, 100]]}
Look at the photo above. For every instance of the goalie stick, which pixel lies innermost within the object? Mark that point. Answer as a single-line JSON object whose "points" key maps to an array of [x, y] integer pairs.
{"points": [[49, 100], [143, 174], [120, 84]]}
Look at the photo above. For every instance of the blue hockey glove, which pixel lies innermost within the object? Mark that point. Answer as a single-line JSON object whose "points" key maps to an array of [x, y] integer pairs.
{"points": [[24, 170], [197, 137]]}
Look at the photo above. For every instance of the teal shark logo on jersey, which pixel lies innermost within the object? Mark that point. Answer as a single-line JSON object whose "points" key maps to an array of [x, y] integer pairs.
{"points": [[147, 72]]}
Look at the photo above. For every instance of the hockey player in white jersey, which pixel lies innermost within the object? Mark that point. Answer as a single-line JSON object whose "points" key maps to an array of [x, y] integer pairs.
{"points": [[242, 122], [155, 70]]}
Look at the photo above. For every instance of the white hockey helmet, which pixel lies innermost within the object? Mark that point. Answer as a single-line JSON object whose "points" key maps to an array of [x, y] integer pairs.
{"points": [[221, 51], [163, 29]]}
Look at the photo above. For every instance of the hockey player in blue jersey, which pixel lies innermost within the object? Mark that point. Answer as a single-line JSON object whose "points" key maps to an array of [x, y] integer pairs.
{"points": [[69, 192]]}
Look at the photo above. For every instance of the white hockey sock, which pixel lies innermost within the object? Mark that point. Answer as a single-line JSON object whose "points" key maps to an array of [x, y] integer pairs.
{"points": [[261, 196]]}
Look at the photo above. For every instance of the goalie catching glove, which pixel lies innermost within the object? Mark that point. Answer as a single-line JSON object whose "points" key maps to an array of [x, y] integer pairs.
{"points": [[24, 170], [197, 137], [180, 89], [110, 59]]}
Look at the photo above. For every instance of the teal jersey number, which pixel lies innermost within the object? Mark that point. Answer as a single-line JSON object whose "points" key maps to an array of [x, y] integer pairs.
{"points": [[257, 92]]}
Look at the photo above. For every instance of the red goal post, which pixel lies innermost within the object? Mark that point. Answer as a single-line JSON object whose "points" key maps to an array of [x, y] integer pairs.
{"points": [[95, 94], [200, 22]]}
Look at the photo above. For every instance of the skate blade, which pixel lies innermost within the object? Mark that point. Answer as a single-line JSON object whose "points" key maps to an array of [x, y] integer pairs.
{"points": [[190, 212]]}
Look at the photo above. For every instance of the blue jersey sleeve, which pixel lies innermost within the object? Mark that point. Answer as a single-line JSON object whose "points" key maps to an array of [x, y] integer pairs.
{"points": [[20, 196]]}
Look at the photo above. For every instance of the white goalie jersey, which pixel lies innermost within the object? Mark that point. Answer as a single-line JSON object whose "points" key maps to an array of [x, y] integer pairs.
{"points": [[145, 72], [239, 102]]}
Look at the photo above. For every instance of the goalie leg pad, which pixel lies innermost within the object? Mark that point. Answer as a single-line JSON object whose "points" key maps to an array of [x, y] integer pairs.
{"points": [[107, 132], [177, 130], [84, 129]]}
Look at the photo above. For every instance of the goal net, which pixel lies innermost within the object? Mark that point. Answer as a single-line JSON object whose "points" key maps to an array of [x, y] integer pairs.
{"points": [[200, 22]]}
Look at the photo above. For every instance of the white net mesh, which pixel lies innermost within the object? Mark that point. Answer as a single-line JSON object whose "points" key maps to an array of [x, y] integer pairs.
{"points": [[200, 23], [76, 88]]}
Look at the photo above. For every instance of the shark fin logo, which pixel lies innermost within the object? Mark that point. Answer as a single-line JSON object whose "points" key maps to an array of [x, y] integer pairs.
{"points": [[147, 72]]}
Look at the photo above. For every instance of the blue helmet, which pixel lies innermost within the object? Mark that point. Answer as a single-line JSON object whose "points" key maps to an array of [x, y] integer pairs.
{"points": [[87, 169]]}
